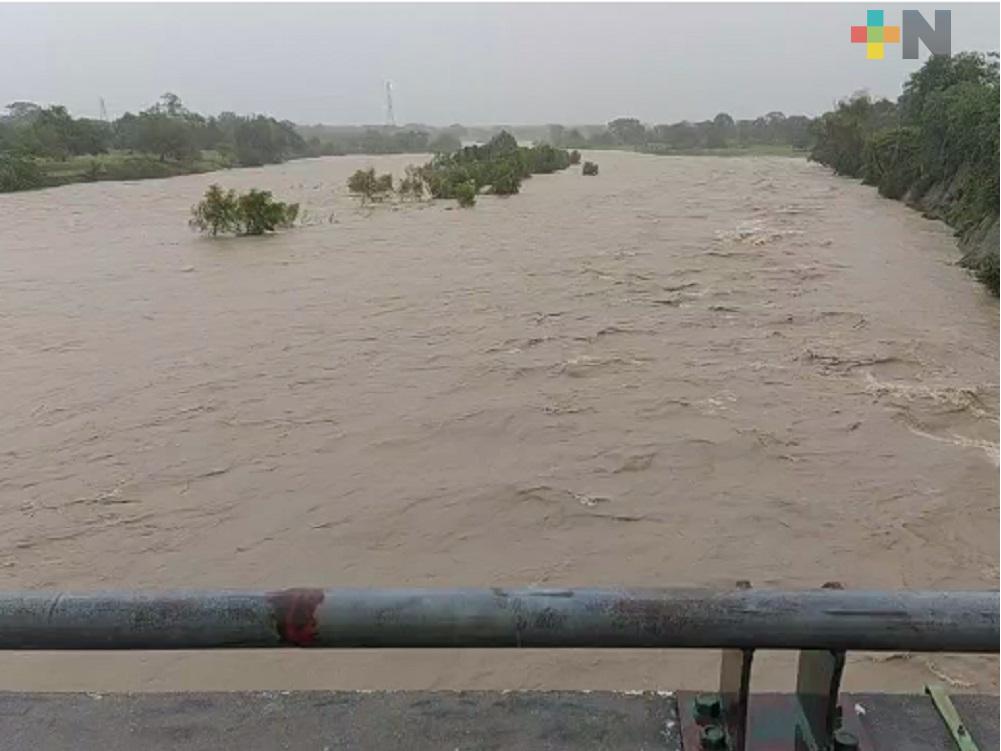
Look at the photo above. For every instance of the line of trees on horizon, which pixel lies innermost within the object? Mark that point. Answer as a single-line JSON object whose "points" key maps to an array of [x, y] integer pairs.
{"points": [[167, 139], [772, 129], [167, 130], [171, 131], [41, 146]]}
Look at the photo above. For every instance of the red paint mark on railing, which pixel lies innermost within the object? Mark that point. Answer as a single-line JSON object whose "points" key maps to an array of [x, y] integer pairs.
{"points": [[295, 615]]}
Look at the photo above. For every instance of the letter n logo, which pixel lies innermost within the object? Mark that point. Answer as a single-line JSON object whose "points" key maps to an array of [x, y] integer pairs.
{"points": [[938, 40]]}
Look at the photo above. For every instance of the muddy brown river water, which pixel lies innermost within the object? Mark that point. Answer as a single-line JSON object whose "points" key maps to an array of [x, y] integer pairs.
{"points": [[686, 371]]}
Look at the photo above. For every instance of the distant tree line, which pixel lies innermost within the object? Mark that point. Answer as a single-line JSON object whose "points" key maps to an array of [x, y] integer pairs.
{"points": [[168, 138], [773, 129], [935, 147], [337, 141], [167, 130]]}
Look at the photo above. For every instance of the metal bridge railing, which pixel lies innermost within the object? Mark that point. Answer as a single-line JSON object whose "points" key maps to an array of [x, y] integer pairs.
{"points": [[551, 618], [822, 623]]}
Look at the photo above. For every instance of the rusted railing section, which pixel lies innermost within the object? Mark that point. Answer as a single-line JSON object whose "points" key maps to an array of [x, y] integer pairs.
{"points": [[827, 619]]}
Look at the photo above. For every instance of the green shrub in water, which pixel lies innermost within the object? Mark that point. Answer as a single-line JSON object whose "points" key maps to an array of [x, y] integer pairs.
{"points": [[498, 165], [218, 212], [259, 213], [506, 183], [369, 186], [465, 194], [589, 168], [252, 213], [411, 187]]}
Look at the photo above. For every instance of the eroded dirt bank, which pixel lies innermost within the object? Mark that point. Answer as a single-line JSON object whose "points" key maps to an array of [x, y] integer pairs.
{"points": [[683, 371]]}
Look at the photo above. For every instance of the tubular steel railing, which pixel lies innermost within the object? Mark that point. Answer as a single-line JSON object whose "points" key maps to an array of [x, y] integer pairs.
{"points": [[822, 624], [551, 618]]}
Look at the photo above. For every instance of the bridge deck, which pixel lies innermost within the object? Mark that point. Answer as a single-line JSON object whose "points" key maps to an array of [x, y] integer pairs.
{"points": [[416, 720]]}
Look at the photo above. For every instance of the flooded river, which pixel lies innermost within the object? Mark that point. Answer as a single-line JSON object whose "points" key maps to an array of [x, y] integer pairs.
{"points": [[685, 371]]}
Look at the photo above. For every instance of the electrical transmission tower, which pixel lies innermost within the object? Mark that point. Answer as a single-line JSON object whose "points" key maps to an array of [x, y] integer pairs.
{"points": [[390, 117], [104, 109]]}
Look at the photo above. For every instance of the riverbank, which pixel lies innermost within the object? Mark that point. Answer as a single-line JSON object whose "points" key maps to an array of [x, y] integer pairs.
{"points": [[977, 237], [123, 165], [935, 148], [20, 173]]}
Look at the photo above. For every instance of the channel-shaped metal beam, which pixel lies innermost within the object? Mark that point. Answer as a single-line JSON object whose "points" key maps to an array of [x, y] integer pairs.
{"points": [[945, 707], [550, 618]]}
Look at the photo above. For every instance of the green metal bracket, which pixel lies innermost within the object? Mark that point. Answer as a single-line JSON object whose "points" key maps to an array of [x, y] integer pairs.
{"points": [[940, 698]]}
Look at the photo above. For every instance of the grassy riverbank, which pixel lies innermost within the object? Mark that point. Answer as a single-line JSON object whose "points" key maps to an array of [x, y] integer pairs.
{"points": [[121, 165], [45, 146]]}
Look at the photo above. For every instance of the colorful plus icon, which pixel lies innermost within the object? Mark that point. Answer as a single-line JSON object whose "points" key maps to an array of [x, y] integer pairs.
{"points": [[874, 35]]}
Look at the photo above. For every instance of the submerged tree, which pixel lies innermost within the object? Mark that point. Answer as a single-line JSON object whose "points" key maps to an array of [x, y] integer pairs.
{"points": [[465, 194], [411, 187], [497, 166], [218, 212], [252, 213], [259, 213], [369, 186], [507, 182]]}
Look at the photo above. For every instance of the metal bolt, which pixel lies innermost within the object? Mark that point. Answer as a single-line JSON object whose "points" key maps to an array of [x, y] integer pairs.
{"points": [[845, 741], [713, 738], [708, 706]]}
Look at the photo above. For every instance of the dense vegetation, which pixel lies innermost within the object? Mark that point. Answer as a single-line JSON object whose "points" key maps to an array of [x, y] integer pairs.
{"points": [[165, 139], [773, 130], [498, 166], [369, 186], [935, 147], [465, 193], [44, 146], [252, 213], [337, 141], [411, 187], [18, 172]]}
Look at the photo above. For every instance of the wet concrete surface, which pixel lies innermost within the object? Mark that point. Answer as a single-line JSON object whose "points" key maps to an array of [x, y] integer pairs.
{"points": [[418, 721]]}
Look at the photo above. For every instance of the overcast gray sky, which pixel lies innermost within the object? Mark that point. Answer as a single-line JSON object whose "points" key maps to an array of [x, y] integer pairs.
{"points": [[461, 62]]}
